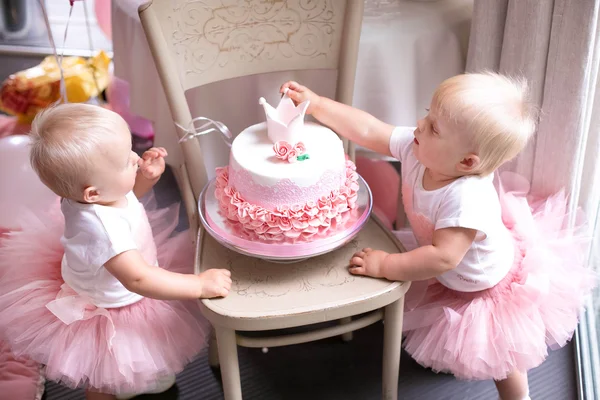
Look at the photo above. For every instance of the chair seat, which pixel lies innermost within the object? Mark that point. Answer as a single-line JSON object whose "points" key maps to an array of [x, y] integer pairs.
{"points": [[268, 295]]}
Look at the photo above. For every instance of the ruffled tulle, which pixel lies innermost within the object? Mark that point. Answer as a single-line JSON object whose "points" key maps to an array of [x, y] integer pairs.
{"points": [[491, 333], [120, 350]]}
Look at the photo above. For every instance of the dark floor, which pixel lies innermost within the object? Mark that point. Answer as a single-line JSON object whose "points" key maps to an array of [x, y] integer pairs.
{"points": [[331, 370]]}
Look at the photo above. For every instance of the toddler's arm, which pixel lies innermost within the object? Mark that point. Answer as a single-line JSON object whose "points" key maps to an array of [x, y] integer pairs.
{"points": [[358, 126], [448, 248], [149, 281]]}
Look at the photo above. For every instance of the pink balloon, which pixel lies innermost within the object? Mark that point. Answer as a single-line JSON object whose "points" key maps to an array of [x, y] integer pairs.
{"points": [[384, 182], [20, 187], [102, 10]]}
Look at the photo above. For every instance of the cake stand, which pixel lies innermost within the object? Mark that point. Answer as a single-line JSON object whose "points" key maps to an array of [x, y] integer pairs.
{"points": [[229, 234]]}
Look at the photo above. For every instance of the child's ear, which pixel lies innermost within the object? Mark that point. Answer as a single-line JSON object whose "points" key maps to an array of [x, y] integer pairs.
{"points": [[91, 194], [469, 163]]}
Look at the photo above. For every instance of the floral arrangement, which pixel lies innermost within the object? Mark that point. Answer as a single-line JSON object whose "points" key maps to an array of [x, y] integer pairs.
{"points": [[285, 151]]}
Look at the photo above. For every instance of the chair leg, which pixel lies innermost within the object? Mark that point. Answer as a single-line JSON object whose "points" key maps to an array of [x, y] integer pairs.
{"points": [[346, 337], [213, 350], [230, 368], [392, 346]]}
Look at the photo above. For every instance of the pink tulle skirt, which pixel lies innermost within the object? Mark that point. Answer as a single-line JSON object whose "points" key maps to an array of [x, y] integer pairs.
{"points": [[115, 350], [491, 333]]}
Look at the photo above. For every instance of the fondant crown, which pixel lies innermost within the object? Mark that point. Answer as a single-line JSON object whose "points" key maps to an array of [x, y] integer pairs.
{"points": [[286, 121]]}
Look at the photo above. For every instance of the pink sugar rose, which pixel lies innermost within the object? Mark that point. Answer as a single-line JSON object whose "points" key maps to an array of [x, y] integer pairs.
{"points": [[222, 177], [274, 230], [285, 224], [282, 211], [311, 230], [324, 229], [292, 234], [299, 224], [271, 221], [251, 210], [229, 191], [237, 198], [262, 229], [279, 237], [281, 149], [296, 211], [324, 204], [333, 195], [292, 156], [311, 209], [261, 214], [314, 222], [299, 148], [243, 211]]}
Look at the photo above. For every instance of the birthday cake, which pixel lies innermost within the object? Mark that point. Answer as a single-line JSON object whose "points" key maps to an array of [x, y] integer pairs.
{"points": [[287, 179]]}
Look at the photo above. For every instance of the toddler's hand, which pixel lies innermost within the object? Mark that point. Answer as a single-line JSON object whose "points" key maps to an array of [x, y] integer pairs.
{"points": [[299, 94], [368, 262], [152, 163], [215, 283]]}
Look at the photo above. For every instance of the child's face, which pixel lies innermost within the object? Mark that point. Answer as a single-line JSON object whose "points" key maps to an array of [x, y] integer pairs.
{"points": [[116, 170], [440, 144]]}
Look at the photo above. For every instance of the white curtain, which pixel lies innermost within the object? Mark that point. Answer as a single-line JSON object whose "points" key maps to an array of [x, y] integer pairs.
{"points": [[555, 45]]}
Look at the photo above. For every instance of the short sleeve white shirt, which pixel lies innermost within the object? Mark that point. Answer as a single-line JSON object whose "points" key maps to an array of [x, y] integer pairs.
{"points": [[93, 235], [468, 202]]}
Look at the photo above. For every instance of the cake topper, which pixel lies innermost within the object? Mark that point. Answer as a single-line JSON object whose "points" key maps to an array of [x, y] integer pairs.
{"points": [[285, 122]]}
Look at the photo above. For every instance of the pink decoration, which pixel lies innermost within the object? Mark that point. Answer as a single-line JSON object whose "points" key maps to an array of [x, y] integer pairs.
{"points": [[20, 188], [118, 101], [285, 151], [300, 148], [102, 10], [286, 121], [292, 156], [285, 191], [282, 148], [288, 222], [384, 182]]}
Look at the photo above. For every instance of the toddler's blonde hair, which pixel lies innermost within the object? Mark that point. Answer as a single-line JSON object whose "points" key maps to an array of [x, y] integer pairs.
{"points": [[495, 111], [64, 139]]}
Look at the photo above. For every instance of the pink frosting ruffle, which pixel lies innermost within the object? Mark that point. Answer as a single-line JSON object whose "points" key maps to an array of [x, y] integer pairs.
{"points": [[298, 221]]}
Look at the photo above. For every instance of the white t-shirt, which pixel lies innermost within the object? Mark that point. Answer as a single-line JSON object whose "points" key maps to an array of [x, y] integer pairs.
{"points": [[93, 235], [468, 202]]}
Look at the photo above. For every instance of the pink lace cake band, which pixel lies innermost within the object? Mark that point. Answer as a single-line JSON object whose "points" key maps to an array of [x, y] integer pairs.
{"points": [[295, 221], [285, 192]]}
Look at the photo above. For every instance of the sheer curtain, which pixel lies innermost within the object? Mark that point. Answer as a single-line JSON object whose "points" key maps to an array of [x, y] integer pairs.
{"points": [[555, 45]]}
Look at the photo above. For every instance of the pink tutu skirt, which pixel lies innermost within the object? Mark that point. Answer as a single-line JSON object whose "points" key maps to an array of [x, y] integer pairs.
{"points": [[113, 350], [491, 333]]}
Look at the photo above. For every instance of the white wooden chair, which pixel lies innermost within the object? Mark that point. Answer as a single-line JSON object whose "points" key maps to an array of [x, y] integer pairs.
{"points": [[195, 43]]}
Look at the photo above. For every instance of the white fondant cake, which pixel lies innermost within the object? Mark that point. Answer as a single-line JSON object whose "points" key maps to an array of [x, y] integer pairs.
{"points": [[269, 182], [287, 179]]}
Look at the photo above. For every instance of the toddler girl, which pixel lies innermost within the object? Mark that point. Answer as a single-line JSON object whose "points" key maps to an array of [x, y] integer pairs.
{"points": [[81, 290], [508, 279]]}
